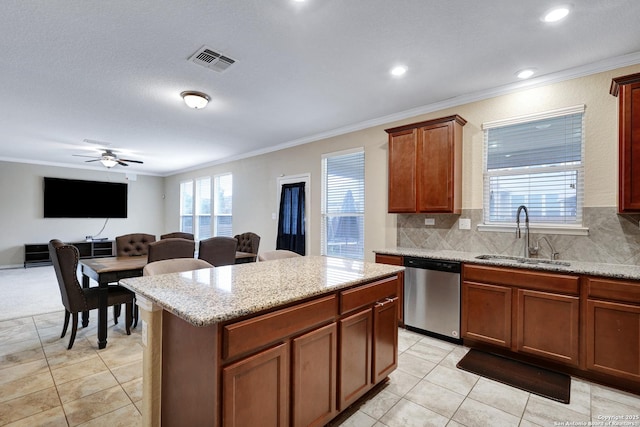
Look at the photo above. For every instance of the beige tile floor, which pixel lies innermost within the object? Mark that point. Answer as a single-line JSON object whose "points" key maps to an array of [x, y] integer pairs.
{"points": [[42, 383]]}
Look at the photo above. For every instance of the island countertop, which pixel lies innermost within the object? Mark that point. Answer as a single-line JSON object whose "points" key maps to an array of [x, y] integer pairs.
{"points": [[208, 296]]}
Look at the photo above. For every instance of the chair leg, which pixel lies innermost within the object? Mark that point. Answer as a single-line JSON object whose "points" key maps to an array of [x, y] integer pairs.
{"points": [[127, 317], [74, 328], [66, 323], [116, 313]]}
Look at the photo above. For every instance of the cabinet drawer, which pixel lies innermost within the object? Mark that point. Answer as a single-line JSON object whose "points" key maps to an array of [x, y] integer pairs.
{"points": [[389, 259], [243, 337], [353, 299], [619, 290], [535, 280]]}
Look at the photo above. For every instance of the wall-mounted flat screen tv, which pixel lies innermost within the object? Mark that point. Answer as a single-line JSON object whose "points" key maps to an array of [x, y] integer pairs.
{"points": [[73, 198]]}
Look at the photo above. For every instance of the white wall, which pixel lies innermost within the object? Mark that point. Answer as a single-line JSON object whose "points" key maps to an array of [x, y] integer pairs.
{"points": [[254, 197], [21, 211]]}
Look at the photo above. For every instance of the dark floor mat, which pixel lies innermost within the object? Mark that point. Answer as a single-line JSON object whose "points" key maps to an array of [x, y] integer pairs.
{"points": [[527, 377]]}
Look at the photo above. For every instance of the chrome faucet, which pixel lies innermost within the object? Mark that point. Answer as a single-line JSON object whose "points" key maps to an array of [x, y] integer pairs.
{"points": [[554, 254], [526, 223]]}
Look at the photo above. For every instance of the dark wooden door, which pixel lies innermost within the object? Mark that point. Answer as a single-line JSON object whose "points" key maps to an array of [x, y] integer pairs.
{"points": [[435, 176], [547, 325], [385, 338], [613, 338], [355, 357], [486, 313], [629, 150], [314, 371], [403, 149], [255, 390]]}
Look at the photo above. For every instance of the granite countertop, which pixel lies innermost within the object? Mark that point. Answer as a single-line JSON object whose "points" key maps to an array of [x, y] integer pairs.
{"points": [[208, 296], [617, 271]]}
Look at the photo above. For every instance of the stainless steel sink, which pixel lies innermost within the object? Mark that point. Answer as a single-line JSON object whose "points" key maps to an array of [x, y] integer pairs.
{"points": [[521, 260]]}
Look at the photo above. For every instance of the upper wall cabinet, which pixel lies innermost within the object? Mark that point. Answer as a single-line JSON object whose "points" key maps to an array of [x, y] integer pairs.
{"points": [[425, 166], [627, 88]]}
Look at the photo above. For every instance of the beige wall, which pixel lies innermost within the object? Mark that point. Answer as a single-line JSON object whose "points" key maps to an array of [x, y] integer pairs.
{"points": [[255, 178], [21, 218]]}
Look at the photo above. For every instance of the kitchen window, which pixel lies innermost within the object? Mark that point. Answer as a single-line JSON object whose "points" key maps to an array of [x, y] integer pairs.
{"points": [[536, 161], [343, 204]]}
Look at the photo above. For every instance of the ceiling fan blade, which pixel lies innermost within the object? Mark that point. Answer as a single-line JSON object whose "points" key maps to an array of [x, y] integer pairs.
{"points": [[81, 155], [132, 161], [89, 161], [121, 163]]}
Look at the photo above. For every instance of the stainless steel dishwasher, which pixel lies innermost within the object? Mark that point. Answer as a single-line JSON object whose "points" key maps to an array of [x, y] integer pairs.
{"points": [[432, 297]]}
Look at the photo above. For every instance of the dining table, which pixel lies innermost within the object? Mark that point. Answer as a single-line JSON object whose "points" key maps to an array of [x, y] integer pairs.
{"points": [[105, 270]]}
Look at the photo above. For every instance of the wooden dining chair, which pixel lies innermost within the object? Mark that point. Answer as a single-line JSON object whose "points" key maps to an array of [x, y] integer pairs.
{"points": [[218, 251], [174, 247], [75, 298], [180, 234]]}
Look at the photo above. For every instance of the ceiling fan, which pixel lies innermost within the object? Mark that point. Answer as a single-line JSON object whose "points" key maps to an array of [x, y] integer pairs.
{"points": [[109, 159]]}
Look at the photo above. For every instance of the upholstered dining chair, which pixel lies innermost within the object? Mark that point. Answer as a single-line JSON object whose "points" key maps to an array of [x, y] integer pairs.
{"points": [[75, 298], [218, 251], [175, 265], [248, 242], [174, 247], [277, 254], [133, 244], [180, 234]]}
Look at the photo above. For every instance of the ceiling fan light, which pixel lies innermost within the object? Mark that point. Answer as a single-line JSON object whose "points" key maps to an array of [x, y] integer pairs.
{"points": [[108, 162], [195, 100]]}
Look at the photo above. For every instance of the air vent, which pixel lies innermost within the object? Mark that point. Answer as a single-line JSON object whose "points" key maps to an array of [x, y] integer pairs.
{"points": [[211, 59]]}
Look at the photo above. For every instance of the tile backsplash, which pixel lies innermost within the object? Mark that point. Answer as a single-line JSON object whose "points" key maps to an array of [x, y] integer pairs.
{"points": [[612, 238]]}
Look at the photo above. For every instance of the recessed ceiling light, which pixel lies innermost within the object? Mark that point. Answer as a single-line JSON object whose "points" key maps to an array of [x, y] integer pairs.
{"points": [[525, 74], [555, 15], [399, 70]]}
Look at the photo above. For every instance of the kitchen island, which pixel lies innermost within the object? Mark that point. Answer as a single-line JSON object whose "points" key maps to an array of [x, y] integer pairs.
{"points": [[284, 342]]}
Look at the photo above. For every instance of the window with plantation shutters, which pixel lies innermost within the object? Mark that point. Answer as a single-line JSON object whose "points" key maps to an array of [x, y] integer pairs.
{"points": [[223, 205], [536, 161], [343, 204]]}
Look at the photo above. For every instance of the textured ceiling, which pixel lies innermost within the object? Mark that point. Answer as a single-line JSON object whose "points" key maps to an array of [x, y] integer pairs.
{"points": [[112, 71]]}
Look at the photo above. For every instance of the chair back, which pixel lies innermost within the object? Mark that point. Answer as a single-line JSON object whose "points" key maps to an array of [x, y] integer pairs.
{"points": [[171, 248], [218, 251], [65, 263], [248, 242], [133, 244], [180, 234], [175, 265], [277, 254]]}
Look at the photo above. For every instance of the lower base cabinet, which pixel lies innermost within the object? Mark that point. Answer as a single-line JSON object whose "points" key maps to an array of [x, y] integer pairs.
{"points": [[314, 376], [355, 357], [260, 382]]}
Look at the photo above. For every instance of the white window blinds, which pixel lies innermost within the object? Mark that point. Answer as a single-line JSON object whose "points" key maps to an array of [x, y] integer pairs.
{"points": [[536, 161], [343, 204], [223, 205]]}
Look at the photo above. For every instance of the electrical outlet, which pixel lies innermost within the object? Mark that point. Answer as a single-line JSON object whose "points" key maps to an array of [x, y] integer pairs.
{"points": [[464, 224], [429, 221]]}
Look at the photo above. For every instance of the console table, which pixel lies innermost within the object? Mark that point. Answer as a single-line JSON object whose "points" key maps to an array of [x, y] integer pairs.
{"points": [[38, 253]]}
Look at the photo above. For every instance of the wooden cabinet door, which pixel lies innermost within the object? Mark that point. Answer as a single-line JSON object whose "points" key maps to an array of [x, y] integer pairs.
{"points": [[355, 357], [547, 325], [314, 370], [629, 150], [613, 338], [403, 149], [435, 163], [255, 390], [385, 339], [486, 313]]}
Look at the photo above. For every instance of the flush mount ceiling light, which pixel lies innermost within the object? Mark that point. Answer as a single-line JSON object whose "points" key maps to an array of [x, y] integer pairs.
{"points": [[556, 14], [195, 100], [399, 70], [525, 74]]}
